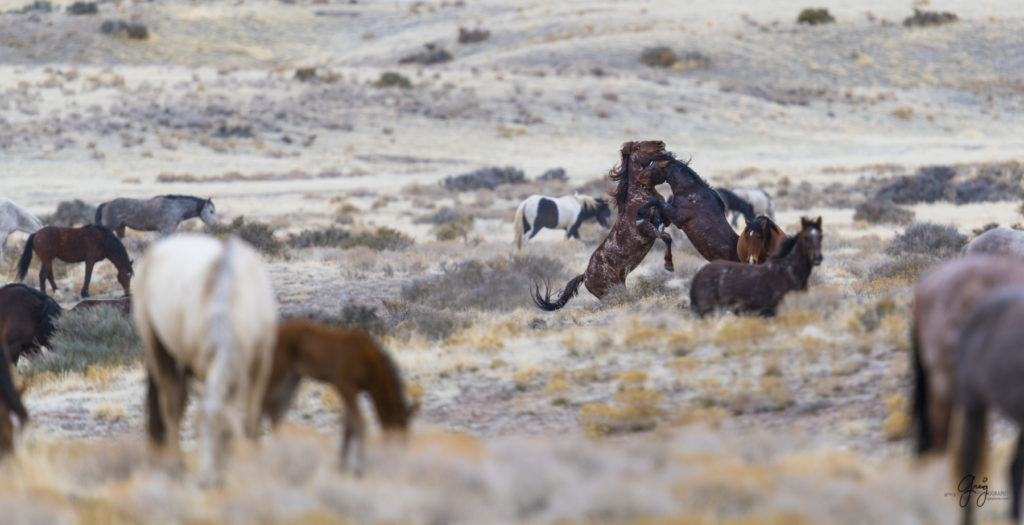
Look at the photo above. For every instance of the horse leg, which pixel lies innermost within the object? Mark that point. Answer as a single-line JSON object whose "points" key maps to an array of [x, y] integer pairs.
{"points": [[120, 231], [88, 276], [536, 229], [354, 431], [259, 377], [1017, 478], [972, 443], [46, 269], [167, 396], [667, 239]]}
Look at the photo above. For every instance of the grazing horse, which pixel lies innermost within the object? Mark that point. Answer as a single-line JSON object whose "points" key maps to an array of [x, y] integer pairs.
{"points": [[563, 213], [942, 300], [205, 309], [736, 205], [628, 241], [989, 366], [14, 217], [694, 208], [997, 241], [759, 199], [760, 238], [348, 359], [161, 213], [758, 289], [27, 319], [121, 304], [88, 244]]}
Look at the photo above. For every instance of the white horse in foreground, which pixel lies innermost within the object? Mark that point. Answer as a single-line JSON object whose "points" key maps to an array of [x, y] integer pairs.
{"points": [[1006, 242], [205, 309], [14, 217]]}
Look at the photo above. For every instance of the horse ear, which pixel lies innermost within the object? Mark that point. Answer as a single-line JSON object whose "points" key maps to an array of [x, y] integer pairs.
{"points": [[818, 222]]}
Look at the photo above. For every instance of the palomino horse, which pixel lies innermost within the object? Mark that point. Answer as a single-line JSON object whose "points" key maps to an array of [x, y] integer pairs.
{"points": [[205, 309], [1006, 242], [758, 289], [161, 213], [629, 240], [14, 217], [736, 205], [760, 238], [989, 367], [563, 213], [27, 319], [348, 359], [88, 244], [759, 199], [694, 208], [942, 300]]}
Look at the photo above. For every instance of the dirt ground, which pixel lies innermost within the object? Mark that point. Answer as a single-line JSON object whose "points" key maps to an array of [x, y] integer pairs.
{"points": [[627, 411]]}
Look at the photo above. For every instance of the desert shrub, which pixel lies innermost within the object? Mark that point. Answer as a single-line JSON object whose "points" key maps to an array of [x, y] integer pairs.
{"points": [[39, 6], [500, 284], [125, 29], [928, 239], [929, 18], [71, 213], [429, 322], [305, 74], [83, 8], [814, 16], [990, 226], [473, 36], [634, 410], [934, 183], [92, 336], [383, 238], [930, 184], [350, 315], [557, 174], [430, 54], [658, 56], [488, 178], [391, 79], [259, 234], [907, 267], [887, 212], [450, 225]]}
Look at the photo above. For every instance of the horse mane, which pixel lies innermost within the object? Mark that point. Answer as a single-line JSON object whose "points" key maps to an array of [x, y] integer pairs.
{"points": [[587, 202], [112, 244], [684, 167], [50, 312], [185, 197], [397, 376], [787, 246], [620, 174]]}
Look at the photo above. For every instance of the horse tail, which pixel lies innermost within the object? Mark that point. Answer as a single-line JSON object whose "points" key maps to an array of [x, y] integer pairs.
{"points": [[219, 378], [8, 393], [48, 316], [99, 213], [544, 301], [26, 257], [518, 225], [920, 402]]}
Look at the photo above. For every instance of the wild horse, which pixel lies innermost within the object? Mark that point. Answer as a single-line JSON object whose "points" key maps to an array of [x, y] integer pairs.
{"points": [[628, 241], [760, 238], [161, 213], [566, 213], [88, 244]]}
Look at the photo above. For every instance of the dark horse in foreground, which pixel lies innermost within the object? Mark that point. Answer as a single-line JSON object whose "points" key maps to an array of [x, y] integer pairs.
{"points": [[758, 289], [88, 244], [989, 369], [694, 208], [628, 241], [760, 238], [348, 359], [27, 319]]}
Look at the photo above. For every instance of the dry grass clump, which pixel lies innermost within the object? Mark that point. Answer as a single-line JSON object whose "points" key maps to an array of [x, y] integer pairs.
{"points": [[459, 226], [392, 79], [882, 212], [430, 54], [929, 18], [473, 36], [500, 284], [90, 336], [71, 213], [658, 56], [383, 238], [740, 331], [429, 323], [634, 410], [814, 16], [259, 234]]}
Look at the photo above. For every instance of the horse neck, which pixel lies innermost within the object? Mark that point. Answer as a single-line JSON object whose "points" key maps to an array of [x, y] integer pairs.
{"points": [[796, 266], [193, 208], [385, 390]]}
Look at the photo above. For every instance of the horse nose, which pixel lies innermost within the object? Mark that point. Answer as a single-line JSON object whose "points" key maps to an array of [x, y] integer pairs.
{"points": [[817, 258]]}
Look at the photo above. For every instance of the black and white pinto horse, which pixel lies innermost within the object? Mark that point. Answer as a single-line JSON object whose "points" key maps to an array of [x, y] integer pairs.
{"points": [[759, 199], [562, 213], [161, 213], [736, 205]]}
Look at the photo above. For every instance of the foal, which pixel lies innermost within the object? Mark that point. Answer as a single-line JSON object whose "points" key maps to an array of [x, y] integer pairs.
{"points": [[350, 360], [760, 238]]}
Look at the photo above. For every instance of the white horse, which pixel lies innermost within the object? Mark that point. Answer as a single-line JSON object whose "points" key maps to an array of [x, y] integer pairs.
{"points": [[760, 200], [562, 213], [14, 217], [997, 241], [205, 309]]}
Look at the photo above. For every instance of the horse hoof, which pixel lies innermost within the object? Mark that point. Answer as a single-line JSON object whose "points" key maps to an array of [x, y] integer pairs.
{"points": [[670, 267]]}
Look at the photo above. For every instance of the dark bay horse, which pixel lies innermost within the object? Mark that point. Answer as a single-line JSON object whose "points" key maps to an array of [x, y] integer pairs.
{"points": [[989, 366], [758, 289], [694, 208], [88, 244], [348, 359], [760, 238], [629, 240], [161, 213], [737, 205], [27, 319], [943, 299]]}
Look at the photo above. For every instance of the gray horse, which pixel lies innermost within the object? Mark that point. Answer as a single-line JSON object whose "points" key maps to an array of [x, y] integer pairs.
{"points": [[161, 213], [997, 241]]}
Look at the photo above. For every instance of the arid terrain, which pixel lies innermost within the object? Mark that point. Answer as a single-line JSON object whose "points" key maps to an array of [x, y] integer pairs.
{"points": [[629, 410]]}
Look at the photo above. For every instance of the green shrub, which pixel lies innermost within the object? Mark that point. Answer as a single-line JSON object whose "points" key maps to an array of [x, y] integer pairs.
{"points": [[259, 234], [100, 335], [659, 56], [83, 8], [815, 16], [929, 18], [392, 79], [887, 212]]}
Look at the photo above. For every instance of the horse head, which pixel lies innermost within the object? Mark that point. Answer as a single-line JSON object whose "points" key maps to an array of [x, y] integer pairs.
{"points": [[603, 212], [654, 173], [208, 213], [810, 239], [634, 156]]}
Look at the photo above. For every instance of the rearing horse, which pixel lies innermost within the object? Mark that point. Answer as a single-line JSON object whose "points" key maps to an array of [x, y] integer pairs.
{"points": [[628, 241]]}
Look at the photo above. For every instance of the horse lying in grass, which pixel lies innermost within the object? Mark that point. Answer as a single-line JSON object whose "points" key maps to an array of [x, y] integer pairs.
{"points": [[205, 309], [351, 361], [14, 217], [758, 289], [161, 213], [989, 366], [562, 213], [89, 244], [27, 319], [760, 238]]}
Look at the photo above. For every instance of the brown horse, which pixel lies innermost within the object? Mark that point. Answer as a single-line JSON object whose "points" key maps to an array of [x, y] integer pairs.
{"points": [[88, 244], [989, 367], [629, 240], [760, 238], [27, 319], [942, 300], [695, 208], [121, 304], [350, 360], [759, 289]]}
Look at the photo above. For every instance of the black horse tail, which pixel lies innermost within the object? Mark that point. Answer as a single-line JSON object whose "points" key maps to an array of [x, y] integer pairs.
{"points": [[99, 213], [544, 301], [155, 422], [48, 316], [8, 393], [26, 258], [920, 408]]}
